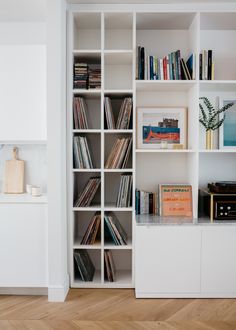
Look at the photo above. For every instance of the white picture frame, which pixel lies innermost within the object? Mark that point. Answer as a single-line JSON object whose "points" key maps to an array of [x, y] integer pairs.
{"points": [[227, 140], [153, 117]]}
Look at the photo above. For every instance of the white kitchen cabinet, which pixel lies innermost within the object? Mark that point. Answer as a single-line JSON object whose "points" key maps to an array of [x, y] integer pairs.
{"points": [[23, 243]]}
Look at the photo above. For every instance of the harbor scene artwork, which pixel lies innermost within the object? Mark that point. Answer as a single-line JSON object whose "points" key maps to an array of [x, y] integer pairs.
{"points": [[161, 127], [166, 130]]}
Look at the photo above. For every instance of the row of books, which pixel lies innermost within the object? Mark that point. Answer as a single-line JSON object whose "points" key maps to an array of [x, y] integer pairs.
{"points": [[86, 196], [124, 198], [146, 202], [85, 267], [206, 65], [123, 120], [119, 154], [80, 113], [109, 266], [171, 67], [114, 230], [87, 76], [82, 157], [92, 232]]}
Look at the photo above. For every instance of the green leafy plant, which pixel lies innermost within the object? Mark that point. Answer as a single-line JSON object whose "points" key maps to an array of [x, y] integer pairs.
{"points": [[210, 118]]}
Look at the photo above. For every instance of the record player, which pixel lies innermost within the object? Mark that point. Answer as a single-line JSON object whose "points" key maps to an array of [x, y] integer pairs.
{"points": [[223, 187]]}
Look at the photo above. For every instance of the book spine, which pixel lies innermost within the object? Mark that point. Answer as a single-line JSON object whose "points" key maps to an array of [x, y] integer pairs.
{"points": [[205, 65], [213, 71], [200, 66], [209, 69], [142, 63], [151, 68], [161, 69], [178, 63]]}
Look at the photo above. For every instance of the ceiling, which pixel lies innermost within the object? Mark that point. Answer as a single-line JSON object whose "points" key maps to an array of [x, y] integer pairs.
{"points": [[22, 10]]}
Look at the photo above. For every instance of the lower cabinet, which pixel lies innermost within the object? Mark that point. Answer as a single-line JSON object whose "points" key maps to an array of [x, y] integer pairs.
{"points": [[185, 261], [23, 245]]}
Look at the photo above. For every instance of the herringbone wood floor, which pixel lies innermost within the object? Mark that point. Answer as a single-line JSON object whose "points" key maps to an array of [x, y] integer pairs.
{"points": [[115, 309]]}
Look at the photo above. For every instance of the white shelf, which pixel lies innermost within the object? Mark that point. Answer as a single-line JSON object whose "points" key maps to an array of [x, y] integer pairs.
{"points": [[164, 85], [88, 208], [123, 279], [93, 131], [118, 91], [218, 151], [164, 151], [95, 246], [87, 91], [93, 284], [89, 170], [22, 199], [117, 131], [118, 170], [218, 85], [111, 246], [113, 208]]}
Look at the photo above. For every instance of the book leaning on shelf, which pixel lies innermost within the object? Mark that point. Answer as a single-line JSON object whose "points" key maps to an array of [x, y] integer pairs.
{"points": [[206, 65], [119, 154], [85, 266], [114, 230], [124, 197], [80, 113], [92, 231], [109, 266], [82, 157], [86, 196], [123, 120], [146, 202], [170, 67]]}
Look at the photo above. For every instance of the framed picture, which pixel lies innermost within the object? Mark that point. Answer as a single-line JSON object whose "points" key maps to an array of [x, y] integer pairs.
{"points": [[227, 131], [176, 200], [161, 127]]}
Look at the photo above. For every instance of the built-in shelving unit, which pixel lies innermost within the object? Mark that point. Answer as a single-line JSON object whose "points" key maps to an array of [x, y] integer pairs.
{"points": [[111, 38]]}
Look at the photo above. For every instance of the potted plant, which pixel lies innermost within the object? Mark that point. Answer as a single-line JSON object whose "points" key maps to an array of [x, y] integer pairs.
{"points": [[209, 118]]}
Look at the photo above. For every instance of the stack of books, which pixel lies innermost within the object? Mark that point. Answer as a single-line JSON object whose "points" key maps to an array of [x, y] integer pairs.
{"points": [[119, 154], [171, 67], [81, 75], [206, 65], [82, 157], [94, 80], [109, 266], [124, 198], [92, 232], [88, 193], [114, 230], [84, 264], [123, 121], [79, 111], [146, 202]]}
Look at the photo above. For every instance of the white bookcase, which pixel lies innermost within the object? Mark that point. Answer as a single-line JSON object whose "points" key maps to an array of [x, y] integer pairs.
{"points": [[111, 37]]}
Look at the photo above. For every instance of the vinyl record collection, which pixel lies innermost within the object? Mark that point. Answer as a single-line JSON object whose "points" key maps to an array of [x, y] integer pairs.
{"points": [[94, 76], [123, 120], [84, 264], [114, 230], [124, 198], [87, 76], [88, 193], [82, 157], [92, 231], [120, 153], [80, 113], [109, 266]]}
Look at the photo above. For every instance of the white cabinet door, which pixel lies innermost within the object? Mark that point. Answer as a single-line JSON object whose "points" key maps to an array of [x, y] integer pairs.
{"points": [[167, 260], [219, 260], [23, 92], [23, 245]]}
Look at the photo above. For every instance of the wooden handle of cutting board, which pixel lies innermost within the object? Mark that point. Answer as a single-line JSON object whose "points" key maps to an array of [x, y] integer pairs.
{"points": [[15, 153]]}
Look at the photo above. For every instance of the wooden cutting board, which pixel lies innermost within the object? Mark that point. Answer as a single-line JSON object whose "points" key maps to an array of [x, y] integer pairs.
{"points": [[14, 175]]}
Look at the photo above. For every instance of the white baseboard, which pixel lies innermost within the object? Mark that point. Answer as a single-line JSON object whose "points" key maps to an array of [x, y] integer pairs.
{"points": [[58, 293], [24, 291]]}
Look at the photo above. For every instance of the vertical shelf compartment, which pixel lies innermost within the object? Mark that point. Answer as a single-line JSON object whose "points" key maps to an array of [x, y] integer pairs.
{"points": [[81, 223], [125, 220], [87, 31], [218, 33], [118, 31], [116, 102], [123, 265], [109, 141], [94, 145], [95, 256], [93, 107], [80, 181], [118, 71]]}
